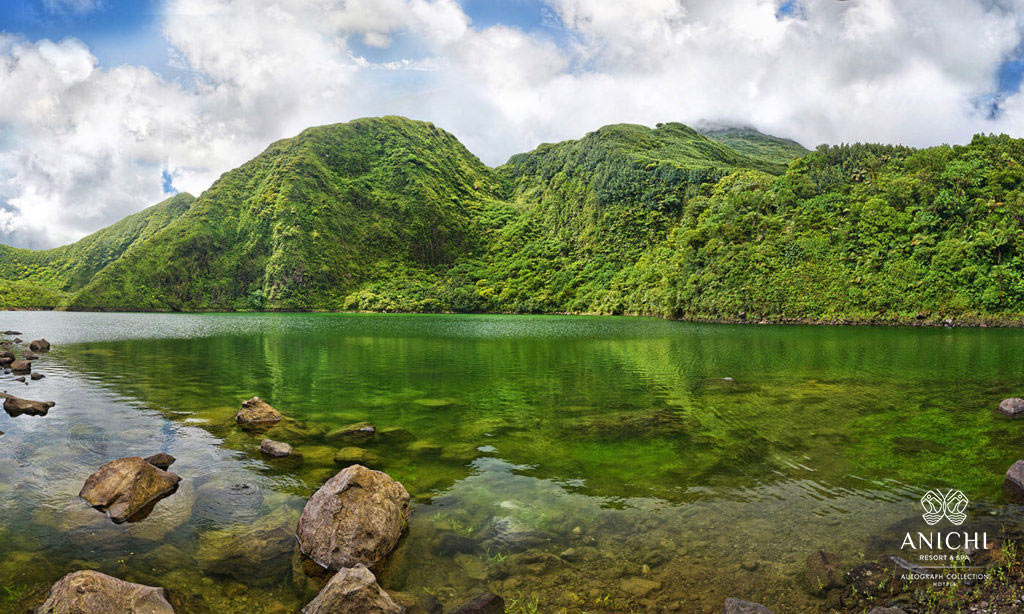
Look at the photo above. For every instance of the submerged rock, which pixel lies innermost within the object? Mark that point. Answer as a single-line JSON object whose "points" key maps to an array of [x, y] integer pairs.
{"points": [[506, 534], [1013, 408], [29, 356], [15, 406], [161, 460], [353, 590], [1013, 484], [277, 449], [256, 411], [359, 432], [738, 606], [395, 434], [91, 592], [39, 345], [823, 572], [414, 604], [258, 552], [356, 517], [125, 486], [11, 332], [488, 603], [353, 455]]}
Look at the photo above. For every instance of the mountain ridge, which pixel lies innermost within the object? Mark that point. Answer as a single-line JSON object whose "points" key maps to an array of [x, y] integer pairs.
{"points": [[391, 214]]}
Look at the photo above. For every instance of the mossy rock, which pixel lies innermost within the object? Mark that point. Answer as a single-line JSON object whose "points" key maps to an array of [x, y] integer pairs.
{"points": [[395, 434], [352, 455]]}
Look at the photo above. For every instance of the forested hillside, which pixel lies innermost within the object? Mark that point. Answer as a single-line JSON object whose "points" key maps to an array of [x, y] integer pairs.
{"points": [[390, 214]]}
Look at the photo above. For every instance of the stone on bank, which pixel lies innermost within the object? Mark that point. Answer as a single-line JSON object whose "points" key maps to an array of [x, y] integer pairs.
{"points": [[91, 592]]}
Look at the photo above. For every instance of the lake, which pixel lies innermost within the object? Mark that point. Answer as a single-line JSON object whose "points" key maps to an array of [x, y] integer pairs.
{"points": [[636, 462]]}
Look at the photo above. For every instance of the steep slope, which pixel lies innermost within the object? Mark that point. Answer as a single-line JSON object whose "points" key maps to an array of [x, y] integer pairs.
{"points": [[309, 221], [590, 207], [751, 142], [53, 273]]}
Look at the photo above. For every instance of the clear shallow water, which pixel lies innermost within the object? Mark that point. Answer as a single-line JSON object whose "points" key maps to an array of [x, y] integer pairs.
{"points": [[616, 437]]}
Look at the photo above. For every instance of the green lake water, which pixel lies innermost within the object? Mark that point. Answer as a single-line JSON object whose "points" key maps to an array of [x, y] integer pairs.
{"points": [[618, 438]]}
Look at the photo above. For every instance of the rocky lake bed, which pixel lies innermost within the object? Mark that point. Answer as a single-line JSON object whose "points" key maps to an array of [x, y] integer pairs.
{"points": [[128, 477]]}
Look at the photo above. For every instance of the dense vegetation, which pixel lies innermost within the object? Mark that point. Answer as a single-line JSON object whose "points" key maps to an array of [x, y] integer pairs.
{"points": [[391, 214]]}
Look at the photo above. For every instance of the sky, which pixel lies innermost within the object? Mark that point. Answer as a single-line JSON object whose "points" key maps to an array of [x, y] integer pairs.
{"points": [[109, 106]]}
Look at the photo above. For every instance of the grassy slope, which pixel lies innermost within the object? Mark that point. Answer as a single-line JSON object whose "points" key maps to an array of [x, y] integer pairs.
{"points": [[45, 279], [756, 144]]}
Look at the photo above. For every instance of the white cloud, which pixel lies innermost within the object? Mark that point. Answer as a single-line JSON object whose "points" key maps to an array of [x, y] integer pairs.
{"points": [[85, 146]]}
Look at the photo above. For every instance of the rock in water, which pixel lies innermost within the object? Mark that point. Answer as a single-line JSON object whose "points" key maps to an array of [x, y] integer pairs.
{"points": [[91, 592], [124, 486], [276, 449], [256, 411], [738, 606], [395, 434], [161, 460], [353, 590], [1013, 485], [488, 603], [1013, 408], [30, 356], [355, 518], [15, 406], [353, 456], [21, 366], [39, 345], [37, 376]]}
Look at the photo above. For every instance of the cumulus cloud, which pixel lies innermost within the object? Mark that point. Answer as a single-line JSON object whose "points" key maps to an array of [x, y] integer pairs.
{"points": [[82, 146]]}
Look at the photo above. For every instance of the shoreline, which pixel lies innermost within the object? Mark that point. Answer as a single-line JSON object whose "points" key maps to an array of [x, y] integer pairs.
{"points": [[921, 320]]}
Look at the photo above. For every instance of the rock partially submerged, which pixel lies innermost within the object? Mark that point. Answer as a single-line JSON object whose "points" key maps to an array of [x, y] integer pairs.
{"points": [[353, 590], [123, 487], [37, 376], [91, 592], [1013, 408], [15, 406], [355, 518], [1013, 484], [488, 603], [39, 345], [353, 455], [256, 411], [738, 606], [277, 449], [21, 366], [161, 460]]}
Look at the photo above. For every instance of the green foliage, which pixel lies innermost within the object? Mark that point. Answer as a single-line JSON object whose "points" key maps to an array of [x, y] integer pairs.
{"points": [[390, 214]]}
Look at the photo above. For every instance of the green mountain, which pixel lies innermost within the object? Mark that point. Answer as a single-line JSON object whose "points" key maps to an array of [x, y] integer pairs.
{"points": [[390, 214]]}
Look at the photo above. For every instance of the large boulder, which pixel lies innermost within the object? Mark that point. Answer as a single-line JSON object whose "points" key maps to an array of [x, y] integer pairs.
{"points": [[125, 486], [257, 412], [738, 606], [353, 590], [488, 603], [1013, 484], [355, 518], [39, 345], [15, 406], [91, 592]]}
